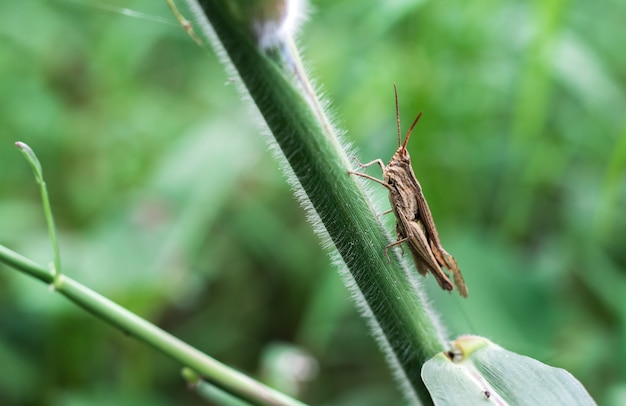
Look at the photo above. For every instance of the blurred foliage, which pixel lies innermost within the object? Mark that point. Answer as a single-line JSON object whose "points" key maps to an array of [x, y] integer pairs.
{"points": [[168, 202]]}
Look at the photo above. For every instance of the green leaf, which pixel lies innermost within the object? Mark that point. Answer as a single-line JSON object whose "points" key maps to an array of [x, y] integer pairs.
{"points": [[476, 370]]}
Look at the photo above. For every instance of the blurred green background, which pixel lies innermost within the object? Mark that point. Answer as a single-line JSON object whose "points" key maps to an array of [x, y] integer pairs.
{"points": [[168, 202]]}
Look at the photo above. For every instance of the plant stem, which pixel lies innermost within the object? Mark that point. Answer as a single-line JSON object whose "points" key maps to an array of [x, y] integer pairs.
{"points": [[38, 171], [217, 373], [387, 293]]}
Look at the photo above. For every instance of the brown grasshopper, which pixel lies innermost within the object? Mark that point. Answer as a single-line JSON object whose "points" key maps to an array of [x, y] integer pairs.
{"points": [[414, 222]]}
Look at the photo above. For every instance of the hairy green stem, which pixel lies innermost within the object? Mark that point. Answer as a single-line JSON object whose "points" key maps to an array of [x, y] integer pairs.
{"points": [[386, 292]]}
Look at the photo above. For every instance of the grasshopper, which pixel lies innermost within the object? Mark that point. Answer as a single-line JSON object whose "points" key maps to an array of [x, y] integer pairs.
{"points": [[414, 221]]}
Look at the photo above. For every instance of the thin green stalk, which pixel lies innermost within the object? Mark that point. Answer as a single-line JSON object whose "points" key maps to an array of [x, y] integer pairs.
{"points": [[38, 171], [217, 373], [317, 165], [208, 392], [15, 260], [183, 21]]}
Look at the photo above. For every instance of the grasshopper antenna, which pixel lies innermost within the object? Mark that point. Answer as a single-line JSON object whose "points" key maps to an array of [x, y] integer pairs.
{"points": [[411, 129], [406, 140], [395, 90]]}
